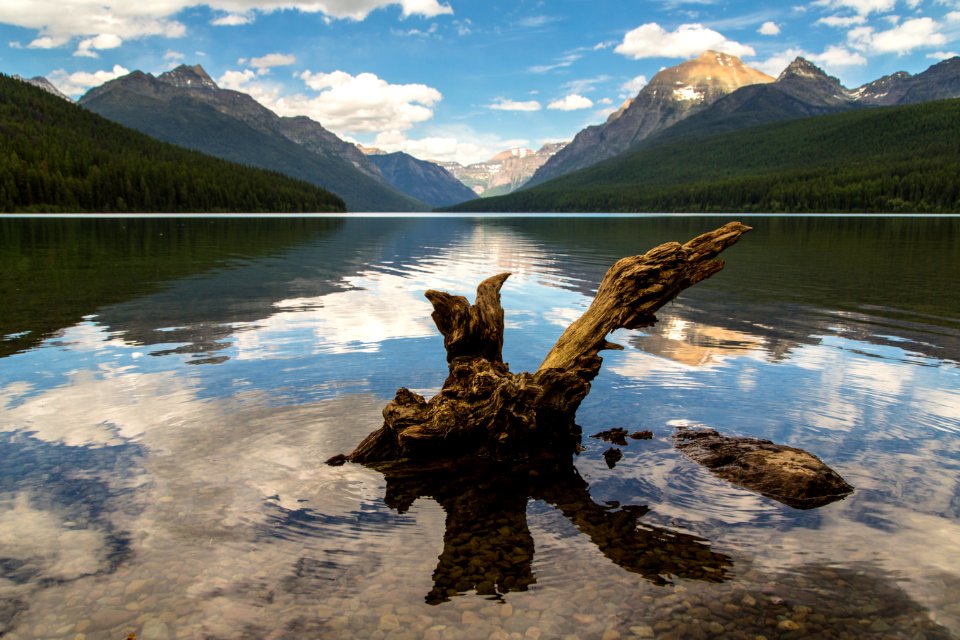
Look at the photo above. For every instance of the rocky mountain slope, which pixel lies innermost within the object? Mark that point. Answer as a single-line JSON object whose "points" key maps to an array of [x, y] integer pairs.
{"points": [[505, 172], [42, 83], [803, 90], [425, 181], [186, 107], [671, 95]]}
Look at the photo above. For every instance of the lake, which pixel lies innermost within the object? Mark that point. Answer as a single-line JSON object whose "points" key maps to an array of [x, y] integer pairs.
{"points": [[170, 389]]}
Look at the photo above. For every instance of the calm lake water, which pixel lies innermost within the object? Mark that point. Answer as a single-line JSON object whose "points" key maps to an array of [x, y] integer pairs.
{"points": [[169, 390]]}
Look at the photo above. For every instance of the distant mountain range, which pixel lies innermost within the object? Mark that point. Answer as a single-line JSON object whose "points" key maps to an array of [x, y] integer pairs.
{"points": [[646, 176], [425, 181], [694, 102], [505, 172], [716, 93], [186, 107]]}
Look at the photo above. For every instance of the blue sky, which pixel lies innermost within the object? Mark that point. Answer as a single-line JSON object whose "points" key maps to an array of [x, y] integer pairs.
{"points": [[460, 79]]}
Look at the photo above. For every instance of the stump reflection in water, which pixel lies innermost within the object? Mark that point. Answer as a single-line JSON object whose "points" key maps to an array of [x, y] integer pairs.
{"points": [[488, 547]]}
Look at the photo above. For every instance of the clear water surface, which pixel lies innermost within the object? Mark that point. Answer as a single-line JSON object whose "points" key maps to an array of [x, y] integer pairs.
{"points": [[170, 388]]}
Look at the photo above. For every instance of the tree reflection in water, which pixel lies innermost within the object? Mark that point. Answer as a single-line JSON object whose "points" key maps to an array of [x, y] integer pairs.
{"points": [[487, 545]]}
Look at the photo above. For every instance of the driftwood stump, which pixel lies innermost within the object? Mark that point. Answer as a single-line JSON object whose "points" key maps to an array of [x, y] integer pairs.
{"points": [[485, 410], [492, 440]]}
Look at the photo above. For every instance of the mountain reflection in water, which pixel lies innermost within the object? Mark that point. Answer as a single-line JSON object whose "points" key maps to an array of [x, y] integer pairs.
{"points": [[140, 494]]}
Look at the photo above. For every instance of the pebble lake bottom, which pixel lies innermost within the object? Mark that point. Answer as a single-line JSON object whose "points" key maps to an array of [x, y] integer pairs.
{"points": [[170, 388]]}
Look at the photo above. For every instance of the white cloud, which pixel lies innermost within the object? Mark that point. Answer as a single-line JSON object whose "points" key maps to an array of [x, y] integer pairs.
{"points": [[843, 22], [901, 39], [87, 48], [233, 20], [653, 41], [942, 55], [130, 19], [573, 102], [75, 84], [562, 63], [834, 56], [776, 63], [503, 104], [634, 86], [264, 63], [173, 56], [47, 42], [460, 144], [362, 103], [769, 29], [862, 7]]}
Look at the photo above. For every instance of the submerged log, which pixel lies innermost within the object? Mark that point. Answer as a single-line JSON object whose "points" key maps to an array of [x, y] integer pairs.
{"points": [[789, 475], [484, 409]]}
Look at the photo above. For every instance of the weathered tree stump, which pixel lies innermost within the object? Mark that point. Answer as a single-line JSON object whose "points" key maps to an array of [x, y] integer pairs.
{"points": [[483, 409], [491, 440]]}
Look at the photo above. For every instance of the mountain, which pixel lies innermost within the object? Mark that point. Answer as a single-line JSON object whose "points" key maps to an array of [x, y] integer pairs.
{"points": [[939, 82], [672, 95], [802, 90], [186, 107], [58, 157], [883, 159], [505, 172], [425, 181], [42, 83]]}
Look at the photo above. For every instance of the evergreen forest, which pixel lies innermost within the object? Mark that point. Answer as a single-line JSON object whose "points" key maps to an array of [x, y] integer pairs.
{"points": [[56, 157]]}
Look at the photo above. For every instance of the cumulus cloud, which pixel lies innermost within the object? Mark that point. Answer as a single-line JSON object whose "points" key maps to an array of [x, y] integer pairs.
{"points": [[633, 86], [901, 39], [834, 57], [75, 84], [363, 103], [769, 29], [88, 47], [128, 20], [503, 104], [653, 41], [942, 55], [572, 102]]}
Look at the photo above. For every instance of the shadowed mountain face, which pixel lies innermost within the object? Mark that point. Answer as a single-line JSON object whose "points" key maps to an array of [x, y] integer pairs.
{"points": [[672, 95], [425, 181], [186, 107]]}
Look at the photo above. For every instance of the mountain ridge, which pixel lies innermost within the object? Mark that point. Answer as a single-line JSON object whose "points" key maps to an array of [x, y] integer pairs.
{"points": [[672, 95], [425, 181], [186, 107], [60, 157]]}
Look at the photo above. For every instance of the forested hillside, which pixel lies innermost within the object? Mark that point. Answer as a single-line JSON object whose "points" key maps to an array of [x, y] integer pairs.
{"points": [[57, 157], [895, 159]]}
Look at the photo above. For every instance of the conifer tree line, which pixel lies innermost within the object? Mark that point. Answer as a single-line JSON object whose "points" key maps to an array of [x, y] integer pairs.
{"points": [[56, 157]]}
